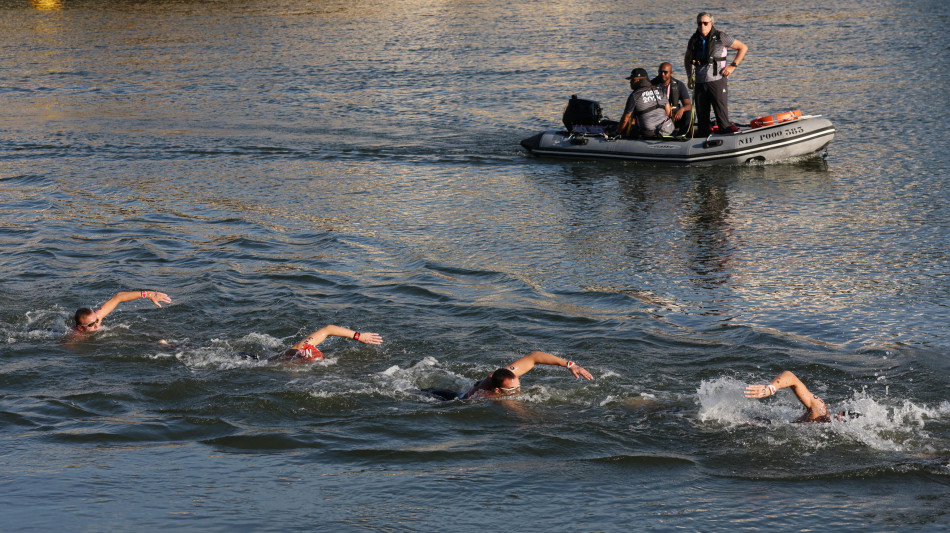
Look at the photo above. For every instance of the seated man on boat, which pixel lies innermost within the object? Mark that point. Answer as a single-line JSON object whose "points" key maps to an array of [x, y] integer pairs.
{"points": [[647, 113], [677, 94], [507, 380]]}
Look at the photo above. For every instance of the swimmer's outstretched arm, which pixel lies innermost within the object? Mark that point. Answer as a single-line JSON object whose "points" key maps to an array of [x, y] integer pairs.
{"points": [[787, 379], [321, 334], [526, 363], [156, 297]]}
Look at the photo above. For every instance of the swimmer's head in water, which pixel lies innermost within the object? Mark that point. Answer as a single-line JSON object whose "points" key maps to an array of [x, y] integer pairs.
{"points": [[306, 352], [505, 381], [87, 320], [310, 353]]}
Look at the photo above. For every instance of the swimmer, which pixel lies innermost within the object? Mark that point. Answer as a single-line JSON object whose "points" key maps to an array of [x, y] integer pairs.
{"points": [[817, 411], [505, 381], [306, 350], [89, 320]]}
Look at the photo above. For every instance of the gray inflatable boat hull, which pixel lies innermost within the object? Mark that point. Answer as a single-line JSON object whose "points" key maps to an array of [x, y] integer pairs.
{"points": [[808, 135]]}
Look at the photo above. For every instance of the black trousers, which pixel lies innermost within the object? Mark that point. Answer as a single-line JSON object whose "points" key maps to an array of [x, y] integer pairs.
{"points": [[712, 94]]}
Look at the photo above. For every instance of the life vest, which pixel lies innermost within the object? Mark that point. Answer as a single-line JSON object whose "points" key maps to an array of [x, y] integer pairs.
{"points": [[696, 46], [639, 96], [674, 95], [650, 121]]}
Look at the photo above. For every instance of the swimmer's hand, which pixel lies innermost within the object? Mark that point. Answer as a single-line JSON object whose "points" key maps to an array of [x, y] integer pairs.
{"points": [[370, 338], [758, 391], [157, 298], [580, 372]]}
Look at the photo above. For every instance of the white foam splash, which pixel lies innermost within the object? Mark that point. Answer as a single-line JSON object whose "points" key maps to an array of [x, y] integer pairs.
{"points": [[36, 325], [607, 373], [883, 424], [424, 374], [249, 351]]}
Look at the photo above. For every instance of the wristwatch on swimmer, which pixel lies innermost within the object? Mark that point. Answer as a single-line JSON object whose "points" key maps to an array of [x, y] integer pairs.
{"points": [[733, 64]]}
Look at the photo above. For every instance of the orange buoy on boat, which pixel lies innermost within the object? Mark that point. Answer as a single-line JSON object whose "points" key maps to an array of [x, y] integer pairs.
{"points": [[787, 116], [770, 120]]}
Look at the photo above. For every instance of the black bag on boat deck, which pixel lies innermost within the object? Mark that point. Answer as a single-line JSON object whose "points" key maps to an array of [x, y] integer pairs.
{"points": [[581, 112]]}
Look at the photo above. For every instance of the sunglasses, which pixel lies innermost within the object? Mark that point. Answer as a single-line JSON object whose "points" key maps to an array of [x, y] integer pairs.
{"points": [[666, 72], [701, 23], [91, 324], [509, 390]]}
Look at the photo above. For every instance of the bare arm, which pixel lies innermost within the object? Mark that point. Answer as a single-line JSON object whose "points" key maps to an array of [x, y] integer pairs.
{"points": [[526, 363], [156, 297], [687, 103], [740, 55], [321, 334], [626, 122], [813, 403], [687, 107]]}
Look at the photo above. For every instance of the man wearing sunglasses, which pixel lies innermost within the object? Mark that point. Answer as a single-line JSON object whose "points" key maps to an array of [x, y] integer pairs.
{"points": [[507, 380], [89, 320], [676, 94], [707, 52]]}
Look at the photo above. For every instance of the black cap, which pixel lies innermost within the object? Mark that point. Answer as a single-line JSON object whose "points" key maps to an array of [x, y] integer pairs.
{"points": [[637, 73]]}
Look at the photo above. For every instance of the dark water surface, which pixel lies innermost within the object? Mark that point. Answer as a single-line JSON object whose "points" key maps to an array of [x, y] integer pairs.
{"points": [[275, 167]]}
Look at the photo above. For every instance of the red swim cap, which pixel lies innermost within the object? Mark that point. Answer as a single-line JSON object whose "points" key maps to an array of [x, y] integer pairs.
{"points": [[308, 352]]}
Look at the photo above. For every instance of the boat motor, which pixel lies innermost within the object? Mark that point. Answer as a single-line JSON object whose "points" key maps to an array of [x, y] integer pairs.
{"points": [[580, 112]]}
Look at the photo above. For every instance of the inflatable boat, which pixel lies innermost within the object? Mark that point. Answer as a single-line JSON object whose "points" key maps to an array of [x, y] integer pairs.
{"points": [[772, 138]]}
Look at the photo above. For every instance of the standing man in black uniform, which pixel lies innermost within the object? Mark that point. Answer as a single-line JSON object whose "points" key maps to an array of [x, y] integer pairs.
{"points": [[707, 51]]}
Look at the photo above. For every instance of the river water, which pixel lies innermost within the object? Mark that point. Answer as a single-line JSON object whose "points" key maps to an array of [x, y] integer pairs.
{"points": [[277, 166]]}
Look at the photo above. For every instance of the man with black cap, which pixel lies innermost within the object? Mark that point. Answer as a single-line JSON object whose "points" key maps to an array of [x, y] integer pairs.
{"points": [[647, 113]]}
